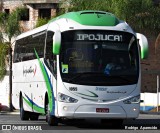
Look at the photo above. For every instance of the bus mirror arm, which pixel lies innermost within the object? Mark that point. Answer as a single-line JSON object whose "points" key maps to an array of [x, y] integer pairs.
{"points": [[54, 69], [56, 42]]}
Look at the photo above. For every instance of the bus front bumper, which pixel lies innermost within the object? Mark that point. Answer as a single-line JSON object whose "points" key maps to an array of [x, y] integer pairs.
{"points": [[100, 111]]}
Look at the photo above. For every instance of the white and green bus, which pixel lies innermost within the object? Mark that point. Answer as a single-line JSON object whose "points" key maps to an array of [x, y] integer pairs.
{"points": [[80, 65]]}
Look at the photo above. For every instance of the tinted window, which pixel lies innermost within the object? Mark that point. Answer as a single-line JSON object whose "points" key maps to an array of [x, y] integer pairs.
{"points": [[25, 48], [50, 59], [99, 58]]}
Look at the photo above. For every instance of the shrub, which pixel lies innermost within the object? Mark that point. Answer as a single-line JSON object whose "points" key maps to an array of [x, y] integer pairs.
{"points": [[3, 59], [41, 21]]}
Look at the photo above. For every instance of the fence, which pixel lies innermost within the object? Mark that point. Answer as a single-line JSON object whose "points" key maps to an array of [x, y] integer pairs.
{"points": [[151, 101]]}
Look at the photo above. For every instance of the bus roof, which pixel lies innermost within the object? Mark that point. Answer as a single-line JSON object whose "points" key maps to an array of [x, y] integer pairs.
{"points": [[31, 32], [86, 17], [91, 18]]}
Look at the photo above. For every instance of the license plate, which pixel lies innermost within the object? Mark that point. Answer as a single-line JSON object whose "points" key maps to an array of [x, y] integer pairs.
{"points": [[102, 110]]}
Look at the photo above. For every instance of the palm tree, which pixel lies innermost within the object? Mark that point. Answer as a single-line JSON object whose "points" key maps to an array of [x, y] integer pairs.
{"points": [[9, 24]]}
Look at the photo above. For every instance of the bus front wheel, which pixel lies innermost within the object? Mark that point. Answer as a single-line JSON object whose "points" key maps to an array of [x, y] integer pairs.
{"points": [[52, 120]]}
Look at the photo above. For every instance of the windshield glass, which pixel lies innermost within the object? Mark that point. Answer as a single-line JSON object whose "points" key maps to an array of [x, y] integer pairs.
{"points": [[99, 58]]}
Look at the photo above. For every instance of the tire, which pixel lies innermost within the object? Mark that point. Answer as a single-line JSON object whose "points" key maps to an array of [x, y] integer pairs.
{"points": [[33, 116], [24, 115], [52, 120], [118, 124]]}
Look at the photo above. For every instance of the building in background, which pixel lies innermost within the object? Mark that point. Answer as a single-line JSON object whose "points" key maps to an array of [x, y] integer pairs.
{"points": [[156, 2], [35, 9]]}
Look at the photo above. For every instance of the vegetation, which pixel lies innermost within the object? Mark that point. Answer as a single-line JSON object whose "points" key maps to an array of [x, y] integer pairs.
{"points": [[41, 21], [142, 15], [9, 24], [3, 60]]}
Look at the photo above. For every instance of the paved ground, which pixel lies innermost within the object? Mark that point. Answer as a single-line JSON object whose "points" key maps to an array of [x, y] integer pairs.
{"points": [[144, 122]]}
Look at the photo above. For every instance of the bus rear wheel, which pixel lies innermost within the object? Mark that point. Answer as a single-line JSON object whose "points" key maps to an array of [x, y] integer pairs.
{"points": [[52, 120], [23, 114]]}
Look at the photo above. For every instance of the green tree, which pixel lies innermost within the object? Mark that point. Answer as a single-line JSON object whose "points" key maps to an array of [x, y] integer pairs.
{"points": [[9, 25], [77, 5], [41, 21], [142, 15], [138, 13], [3, 59]]}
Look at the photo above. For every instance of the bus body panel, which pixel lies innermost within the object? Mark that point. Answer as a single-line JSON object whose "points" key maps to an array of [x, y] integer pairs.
{"points": [[29, 80], [103, 93], [86, 106]]}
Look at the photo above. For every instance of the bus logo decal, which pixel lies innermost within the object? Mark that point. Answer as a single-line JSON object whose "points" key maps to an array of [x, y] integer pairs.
{"points": [[29, 70], [92, 94], [35, 70], [101, 89], [64, 68]]}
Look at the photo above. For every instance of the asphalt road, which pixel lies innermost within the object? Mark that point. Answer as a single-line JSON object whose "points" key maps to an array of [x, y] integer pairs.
{"points": [[13, 122]]}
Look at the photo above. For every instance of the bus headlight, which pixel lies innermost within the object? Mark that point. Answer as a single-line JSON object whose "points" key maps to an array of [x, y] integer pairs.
{"points": [[66, 99], [135, 99]]}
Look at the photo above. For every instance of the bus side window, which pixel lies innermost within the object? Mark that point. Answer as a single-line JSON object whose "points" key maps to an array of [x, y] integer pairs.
{"points": [[16, 54], [37, 42], [19, 51], [49, 57]]}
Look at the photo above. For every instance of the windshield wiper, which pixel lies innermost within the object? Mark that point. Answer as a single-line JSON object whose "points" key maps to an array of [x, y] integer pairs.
{"points": [[121, 77], [81, 74]]}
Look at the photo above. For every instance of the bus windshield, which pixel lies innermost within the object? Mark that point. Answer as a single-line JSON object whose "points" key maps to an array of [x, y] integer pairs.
{"points": [[99, 58]]}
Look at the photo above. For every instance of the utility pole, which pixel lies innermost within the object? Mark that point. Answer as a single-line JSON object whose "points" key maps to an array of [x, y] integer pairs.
{"points": [[157, 93], [10, 78]]}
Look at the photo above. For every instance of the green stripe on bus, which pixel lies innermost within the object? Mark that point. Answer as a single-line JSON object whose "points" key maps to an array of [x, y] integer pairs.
{"points": [[46, 81], [38, 109]]}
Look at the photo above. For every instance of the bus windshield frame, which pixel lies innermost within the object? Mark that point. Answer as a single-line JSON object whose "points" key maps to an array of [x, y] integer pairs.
{"points": [[99, 58]]}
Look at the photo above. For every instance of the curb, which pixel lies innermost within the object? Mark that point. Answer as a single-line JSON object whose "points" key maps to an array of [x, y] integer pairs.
{"points": [[10, 113], [150, 113]]}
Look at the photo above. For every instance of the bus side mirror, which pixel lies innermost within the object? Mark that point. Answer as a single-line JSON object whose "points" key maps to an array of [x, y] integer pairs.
{"points": [[56, 42], [143, 42]]}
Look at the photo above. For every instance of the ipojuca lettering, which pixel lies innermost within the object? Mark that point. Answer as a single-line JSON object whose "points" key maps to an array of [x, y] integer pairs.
{"points": [[100, 37]]}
